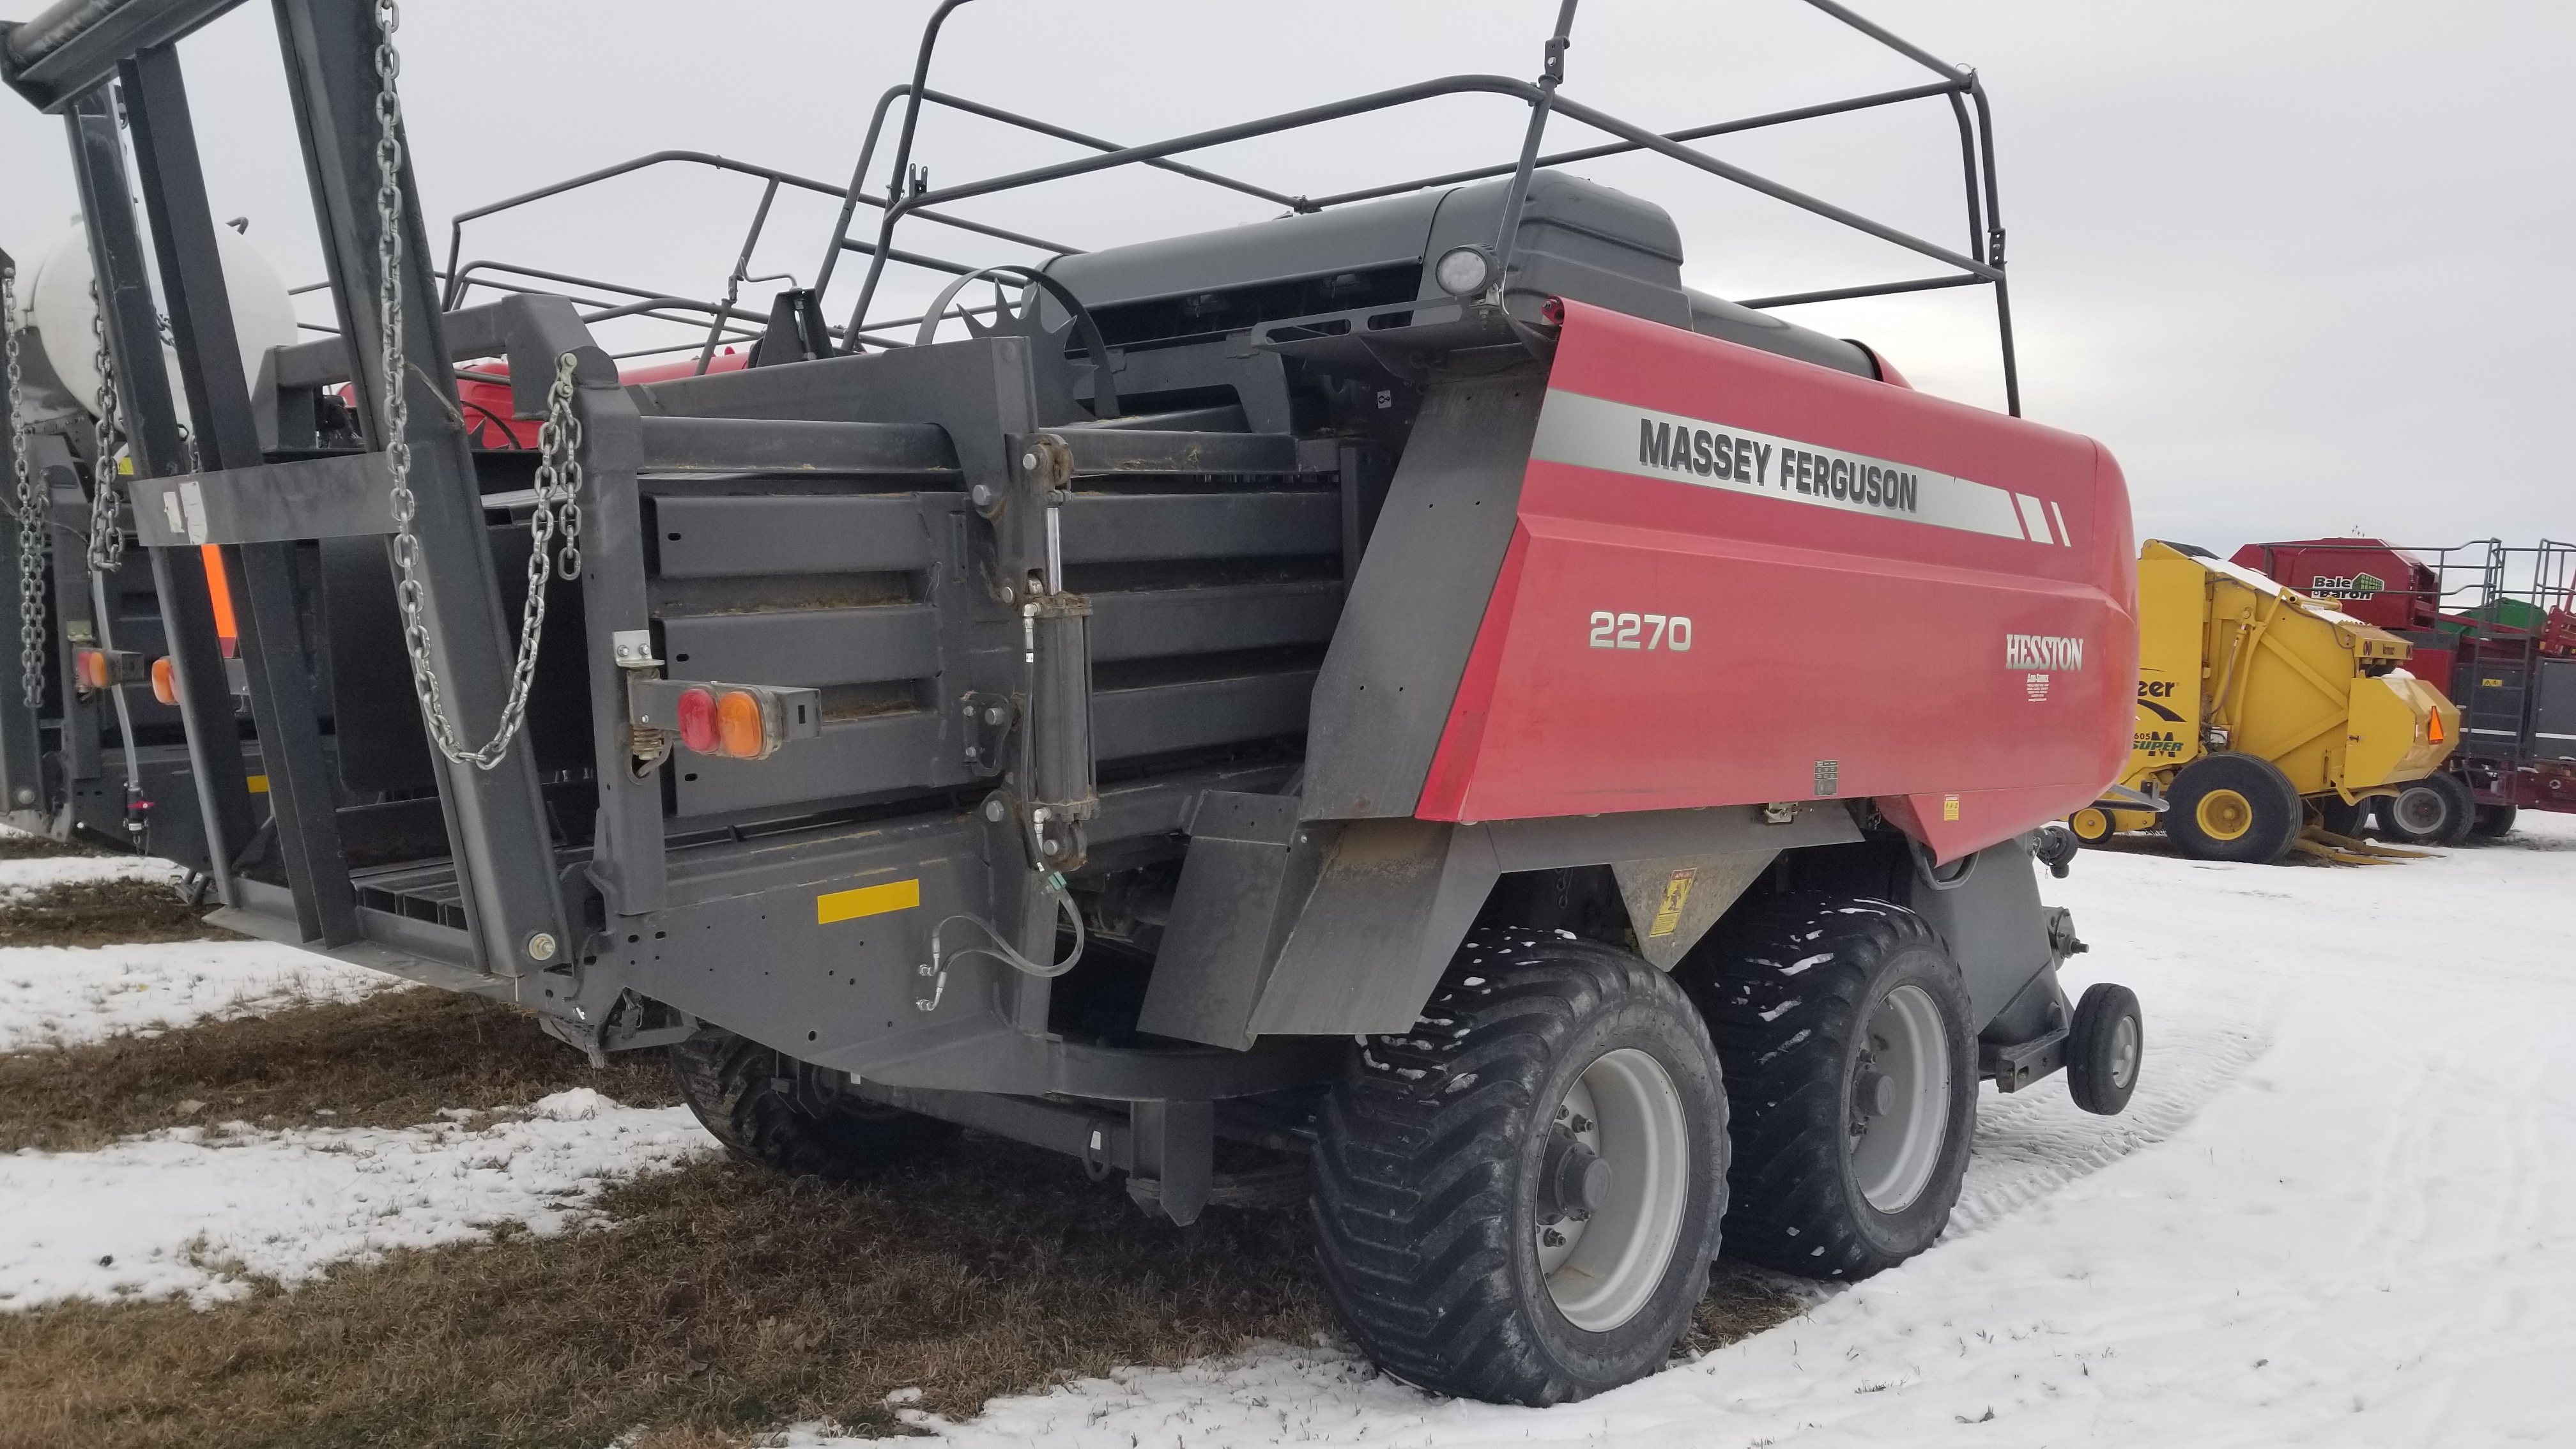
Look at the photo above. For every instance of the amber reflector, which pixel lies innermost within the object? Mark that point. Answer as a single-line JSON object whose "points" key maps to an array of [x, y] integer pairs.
{"points": [[745, 733], [165, 681]]}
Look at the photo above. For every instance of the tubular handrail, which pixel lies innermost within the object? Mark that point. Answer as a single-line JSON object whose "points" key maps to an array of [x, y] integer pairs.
{"points": [[1621, 148], [775, 177], [908, 194], [876, 124], [1638, 137], [1982, 263]]}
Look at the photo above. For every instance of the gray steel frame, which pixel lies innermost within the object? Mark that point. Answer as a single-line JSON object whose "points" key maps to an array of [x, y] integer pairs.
{"points": [[712, 922]]}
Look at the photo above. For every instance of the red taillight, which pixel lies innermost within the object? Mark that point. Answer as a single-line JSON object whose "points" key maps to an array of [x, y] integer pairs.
{"points": [[728, 721], [745, 734], [697, 711], [165, 681], [89, 668]]}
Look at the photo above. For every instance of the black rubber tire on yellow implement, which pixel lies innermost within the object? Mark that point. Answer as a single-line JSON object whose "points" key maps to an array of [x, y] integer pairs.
{"points": [[1851, 1070], [1519, 1199], [2494, 822], [2342, 819], [2436, 810], [2092, 824], [748, 1096], [2233, 807], [2106, 1042]]}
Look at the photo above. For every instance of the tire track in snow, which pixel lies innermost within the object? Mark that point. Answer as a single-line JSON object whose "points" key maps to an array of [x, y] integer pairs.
{"points": [[2035, 1142]]}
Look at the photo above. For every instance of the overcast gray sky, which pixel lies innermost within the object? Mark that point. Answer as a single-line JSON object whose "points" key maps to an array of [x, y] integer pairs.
{"points": [[2303, 267]]}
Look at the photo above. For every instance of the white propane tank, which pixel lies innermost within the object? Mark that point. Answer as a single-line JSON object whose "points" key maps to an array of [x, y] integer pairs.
{"points": [[55, 298]]}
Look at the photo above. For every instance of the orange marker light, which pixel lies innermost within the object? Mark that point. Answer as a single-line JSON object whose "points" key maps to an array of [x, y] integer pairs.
{"points": [[698, 720], [89, 666], [165, 681], [746, 734], [219, 593]]}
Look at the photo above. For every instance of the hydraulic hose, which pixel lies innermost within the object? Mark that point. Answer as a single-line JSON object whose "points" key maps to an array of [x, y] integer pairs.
{"points": [[1002, 950]]}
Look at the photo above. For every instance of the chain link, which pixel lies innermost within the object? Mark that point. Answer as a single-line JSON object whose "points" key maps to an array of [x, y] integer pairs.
{"points": [[33, 511], [106, 531], [559, 471]]}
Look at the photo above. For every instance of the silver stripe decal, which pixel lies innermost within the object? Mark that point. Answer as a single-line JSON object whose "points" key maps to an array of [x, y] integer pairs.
{"points": [[1616, 437], [2035, 520]]}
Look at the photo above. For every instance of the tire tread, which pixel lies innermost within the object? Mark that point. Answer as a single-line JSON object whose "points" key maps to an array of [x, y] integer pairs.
{"points": [[1412, 1171]]}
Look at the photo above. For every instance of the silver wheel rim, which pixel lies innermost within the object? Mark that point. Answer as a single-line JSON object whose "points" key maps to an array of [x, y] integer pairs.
{"points": [[2124, 1052], [1603, 1268], [2419, 811], [1904, 1068]]}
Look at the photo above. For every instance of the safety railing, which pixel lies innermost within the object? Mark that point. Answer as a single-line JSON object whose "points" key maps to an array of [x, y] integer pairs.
{"points": [[908, 193]]}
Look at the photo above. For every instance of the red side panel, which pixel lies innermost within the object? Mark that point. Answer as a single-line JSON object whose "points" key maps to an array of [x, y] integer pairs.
{"points": [[1932, 604], [2362, 577], [488, 420]]}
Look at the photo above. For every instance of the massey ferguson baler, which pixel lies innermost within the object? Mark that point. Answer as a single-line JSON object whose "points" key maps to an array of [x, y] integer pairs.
{"points": [[1546, 763]]}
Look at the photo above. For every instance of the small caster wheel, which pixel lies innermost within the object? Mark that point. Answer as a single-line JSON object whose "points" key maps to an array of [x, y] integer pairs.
{"points": [[2103, 1049]]}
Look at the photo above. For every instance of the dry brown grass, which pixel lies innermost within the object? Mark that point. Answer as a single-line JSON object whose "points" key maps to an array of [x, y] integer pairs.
{"points": [[1742, 1301], [728, 1300], [103, 913], [36, 847], [392, 1060]]}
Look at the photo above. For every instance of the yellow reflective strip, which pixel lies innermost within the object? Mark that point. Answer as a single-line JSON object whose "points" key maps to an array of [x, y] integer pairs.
{"points": [[259, 784], [875, 900]]}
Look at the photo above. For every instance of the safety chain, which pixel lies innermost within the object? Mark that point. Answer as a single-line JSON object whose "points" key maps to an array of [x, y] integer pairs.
{"points": [[33, 511], [106, 533], [559, 473]]}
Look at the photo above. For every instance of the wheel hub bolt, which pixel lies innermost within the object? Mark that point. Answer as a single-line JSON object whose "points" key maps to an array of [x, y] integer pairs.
{"points": [[1874, 1094]]}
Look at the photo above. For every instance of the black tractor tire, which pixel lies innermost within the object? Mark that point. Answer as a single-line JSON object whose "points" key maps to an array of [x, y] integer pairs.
{"points": [[2106, 1044], [2339, 818], [2494, 822], [2233, 807], [1806, 1001], [2436, 810], [746, 1095], [1443, 1159]]}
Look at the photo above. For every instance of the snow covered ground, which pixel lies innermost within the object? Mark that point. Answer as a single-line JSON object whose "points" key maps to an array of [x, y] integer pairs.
{"points": [[195, 1211], [18, 877], [68, 995], [2341, 1210]]}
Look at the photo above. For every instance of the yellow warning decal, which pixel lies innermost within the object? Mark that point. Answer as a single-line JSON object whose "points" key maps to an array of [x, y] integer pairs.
{"points": [[1949, 807], [259, 784], [875, 900], [1668, 917]]}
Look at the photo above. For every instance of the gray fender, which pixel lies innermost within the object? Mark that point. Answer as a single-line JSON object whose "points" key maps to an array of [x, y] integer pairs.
{"points": [[1331, 927]]}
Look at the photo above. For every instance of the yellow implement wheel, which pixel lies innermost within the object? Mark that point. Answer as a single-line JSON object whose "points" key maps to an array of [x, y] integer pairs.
{"points": [[2092, 825], [2234, 807], [2224, 815]]}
